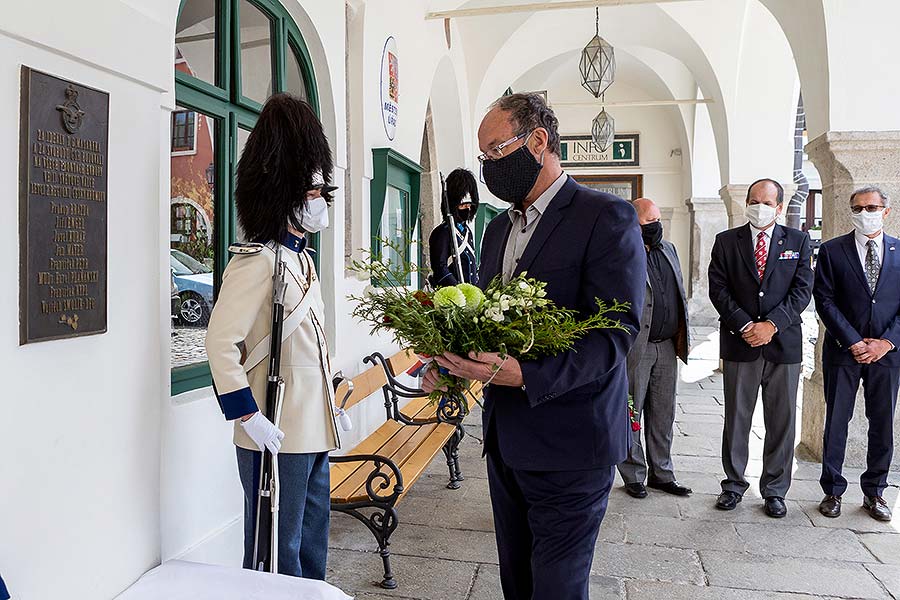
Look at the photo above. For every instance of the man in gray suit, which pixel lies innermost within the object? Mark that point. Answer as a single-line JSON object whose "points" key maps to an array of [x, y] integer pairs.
{"points": [[652, 362]]}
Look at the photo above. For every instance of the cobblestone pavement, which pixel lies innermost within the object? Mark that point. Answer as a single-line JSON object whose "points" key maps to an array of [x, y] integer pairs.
{"points": [[188, 345], [661, 547]]}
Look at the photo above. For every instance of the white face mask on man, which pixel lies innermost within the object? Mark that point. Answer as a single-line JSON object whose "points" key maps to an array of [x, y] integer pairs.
{"points": [[868, 223], [312, 214], [760, 215]]}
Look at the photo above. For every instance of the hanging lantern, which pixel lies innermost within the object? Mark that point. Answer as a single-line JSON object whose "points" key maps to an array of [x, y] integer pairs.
{"points": [[603, 130], [598, 63]]}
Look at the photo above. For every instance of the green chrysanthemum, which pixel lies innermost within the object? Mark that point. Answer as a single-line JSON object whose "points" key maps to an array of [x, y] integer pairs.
{"points": [[449, 296], [474, 296]]}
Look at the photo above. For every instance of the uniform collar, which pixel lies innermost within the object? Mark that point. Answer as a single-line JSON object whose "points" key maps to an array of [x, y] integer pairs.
{"points": [[293, 242]]}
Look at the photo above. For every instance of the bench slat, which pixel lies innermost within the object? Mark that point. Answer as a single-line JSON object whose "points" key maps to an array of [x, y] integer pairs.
{"points": [[371, 445], [421, 450], [403, 444], [388, 448], [430, 448]]}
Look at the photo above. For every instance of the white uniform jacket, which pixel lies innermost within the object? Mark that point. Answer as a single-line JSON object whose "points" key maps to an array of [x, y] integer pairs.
{"points": [[242, 317]]}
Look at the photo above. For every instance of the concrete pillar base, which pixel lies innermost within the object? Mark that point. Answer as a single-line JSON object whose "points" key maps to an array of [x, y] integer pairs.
{"points": [[847, 161], [708, 218]]}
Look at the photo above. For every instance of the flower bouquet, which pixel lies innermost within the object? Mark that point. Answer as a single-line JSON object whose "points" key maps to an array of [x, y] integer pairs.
{"points": [[514, 318]]}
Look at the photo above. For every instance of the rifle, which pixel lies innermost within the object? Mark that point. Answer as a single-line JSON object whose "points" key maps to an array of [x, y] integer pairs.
{"points": [[451, 225], [265, 543]]}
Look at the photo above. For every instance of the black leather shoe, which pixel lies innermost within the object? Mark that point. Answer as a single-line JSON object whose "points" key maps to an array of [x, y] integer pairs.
{"points": [[775, 507], [830, 506], [636, 490], [877, 508], [728, 500], [671, 487]]}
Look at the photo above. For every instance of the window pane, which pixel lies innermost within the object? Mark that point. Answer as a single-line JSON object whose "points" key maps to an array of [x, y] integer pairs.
{"points": [[296, 84], [195, 40], [184, 130], [191, 252], [256, 53], [392, 226]]}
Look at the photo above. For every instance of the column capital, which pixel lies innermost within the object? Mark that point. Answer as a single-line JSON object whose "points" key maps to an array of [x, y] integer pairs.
{"points": [[696, 203], [734, 195]]}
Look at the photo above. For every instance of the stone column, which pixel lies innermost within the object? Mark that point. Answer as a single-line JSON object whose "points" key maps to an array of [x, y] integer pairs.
{"points": [[734, 195], [665, 217], [847, 161], [708, 217]]}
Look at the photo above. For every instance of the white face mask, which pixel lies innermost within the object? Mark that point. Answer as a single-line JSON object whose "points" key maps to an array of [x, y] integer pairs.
{"points": [[760, 215], [313, 215], [868, 223]]}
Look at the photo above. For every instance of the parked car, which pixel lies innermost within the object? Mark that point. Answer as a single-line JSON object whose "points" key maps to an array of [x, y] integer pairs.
{"points": [[176, 299], [195, 288]]}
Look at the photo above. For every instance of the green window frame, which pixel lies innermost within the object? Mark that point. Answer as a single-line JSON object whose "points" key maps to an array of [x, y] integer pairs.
{"points": [[485, 215], [390, 169], [232, 111]]}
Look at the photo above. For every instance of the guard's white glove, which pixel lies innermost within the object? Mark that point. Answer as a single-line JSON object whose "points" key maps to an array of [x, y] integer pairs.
{"points": [[263, 433]]}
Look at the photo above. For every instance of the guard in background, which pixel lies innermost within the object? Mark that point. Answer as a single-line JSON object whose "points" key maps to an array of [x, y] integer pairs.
{"points": [[282, 188], [462, 196]]}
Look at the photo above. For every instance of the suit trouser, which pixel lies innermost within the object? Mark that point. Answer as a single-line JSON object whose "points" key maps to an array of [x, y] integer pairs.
{"points": [[304, 511], [546, 525], [652, 385], [779, 395], [880, 387]]}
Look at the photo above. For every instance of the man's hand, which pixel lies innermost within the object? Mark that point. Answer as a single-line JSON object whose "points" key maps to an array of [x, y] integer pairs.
{"points": [[873, 350], [431, 378], [759, 334], [484, 367]]}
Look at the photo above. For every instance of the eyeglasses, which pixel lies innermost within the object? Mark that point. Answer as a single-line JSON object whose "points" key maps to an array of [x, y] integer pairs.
{"points": [[496, 153], [872, 208]]}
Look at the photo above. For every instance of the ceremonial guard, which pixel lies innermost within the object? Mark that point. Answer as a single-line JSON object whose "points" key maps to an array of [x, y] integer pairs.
{"points": [[281, 194], [462, 201]]}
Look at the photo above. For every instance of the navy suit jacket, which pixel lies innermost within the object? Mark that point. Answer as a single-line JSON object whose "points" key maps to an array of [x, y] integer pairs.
{"points": [[781, 297], [573, 412], [846, 306]]}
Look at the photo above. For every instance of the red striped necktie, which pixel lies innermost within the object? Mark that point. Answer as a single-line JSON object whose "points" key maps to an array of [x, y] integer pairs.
{"points": [[760, 254]]}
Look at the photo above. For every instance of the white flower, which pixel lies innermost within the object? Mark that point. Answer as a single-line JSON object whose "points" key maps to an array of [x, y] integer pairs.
{"points": [[498, 317], [523, 285], [369, 291]]}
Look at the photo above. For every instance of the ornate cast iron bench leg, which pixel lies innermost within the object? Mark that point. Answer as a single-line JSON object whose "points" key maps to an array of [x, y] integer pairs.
{"points": [[451, 452], [383, 520]]}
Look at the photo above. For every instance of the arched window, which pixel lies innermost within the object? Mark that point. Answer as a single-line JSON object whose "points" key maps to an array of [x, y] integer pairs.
{"points": [[230, 55]]}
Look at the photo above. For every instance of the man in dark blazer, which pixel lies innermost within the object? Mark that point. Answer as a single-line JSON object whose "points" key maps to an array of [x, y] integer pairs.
{"points": [[653, 362], [554, 427], [857, 292], [760, 281]]}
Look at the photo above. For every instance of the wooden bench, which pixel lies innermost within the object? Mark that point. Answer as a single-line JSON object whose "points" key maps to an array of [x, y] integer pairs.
{"points": [[369, 481]]}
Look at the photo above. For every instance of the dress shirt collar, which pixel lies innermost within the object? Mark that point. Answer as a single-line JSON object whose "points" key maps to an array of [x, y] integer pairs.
{"points": [[540, 205], [862, 240], [755, 232]]}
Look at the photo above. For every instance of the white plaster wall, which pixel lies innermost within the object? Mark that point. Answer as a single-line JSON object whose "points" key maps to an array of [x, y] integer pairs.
{"points": [[79, 515]]}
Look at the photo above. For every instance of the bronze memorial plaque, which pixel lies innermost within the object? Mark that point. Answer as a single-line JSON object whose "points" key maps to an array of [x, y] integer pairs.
{"points": [[64, 140]]}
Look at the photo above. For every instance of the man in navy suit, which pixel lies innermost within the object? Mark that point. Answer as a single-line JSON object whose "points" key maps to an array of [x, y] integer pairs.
{"points": [[857, 292], [760, 281], [554, 427]]}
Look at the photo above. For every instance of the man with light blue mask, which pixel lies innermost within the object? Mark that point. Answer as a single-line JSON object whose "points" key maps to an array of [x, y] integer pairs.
{"points": [[760, 281], [857, 292]]}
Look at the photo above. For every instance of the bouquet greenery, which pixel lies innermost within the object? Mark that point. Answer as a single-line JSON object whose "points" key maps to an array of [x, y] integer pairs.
{"points": [[514, 318]]}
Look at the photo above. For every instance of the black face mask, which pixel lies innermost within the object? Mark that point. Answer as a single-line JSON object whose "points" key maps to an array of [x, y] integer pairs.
{"points": [[511, 178], [652, 234], [463, 215]]}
